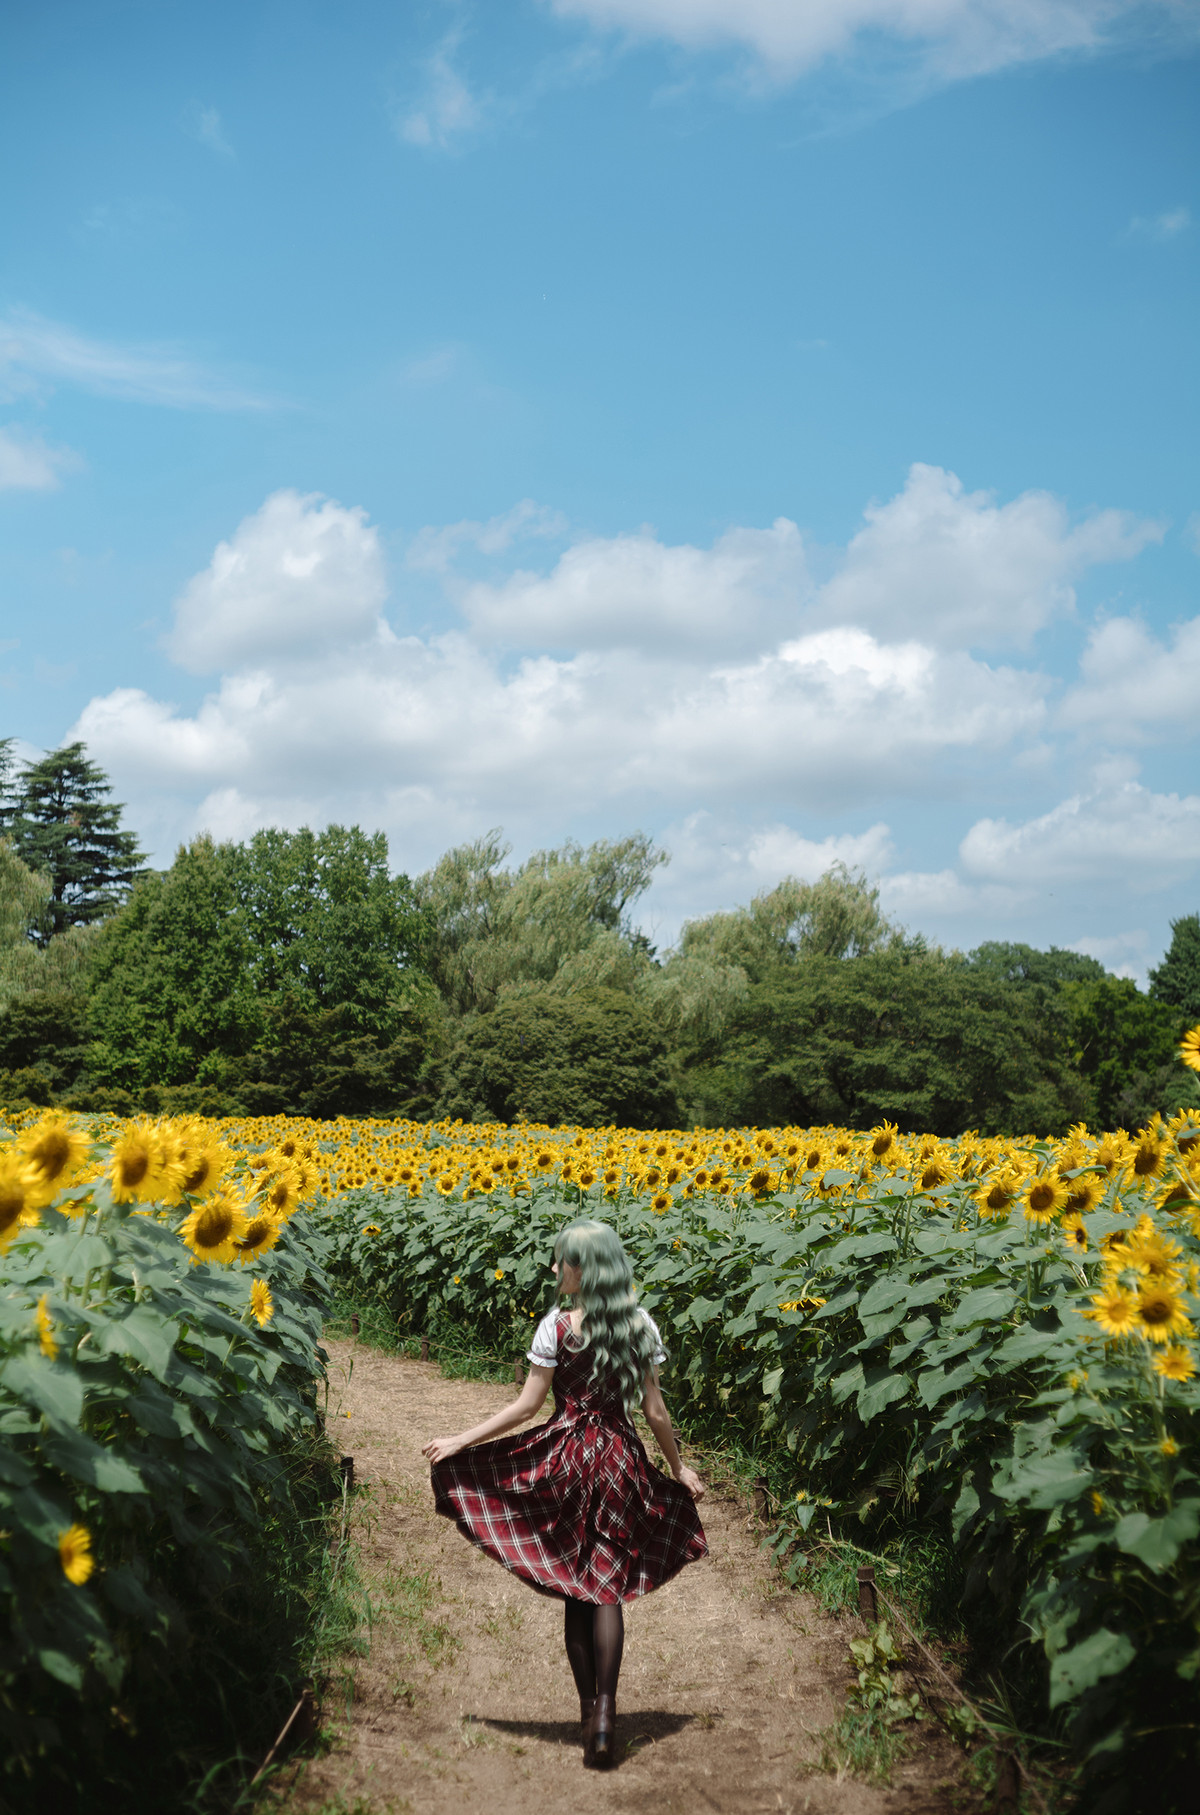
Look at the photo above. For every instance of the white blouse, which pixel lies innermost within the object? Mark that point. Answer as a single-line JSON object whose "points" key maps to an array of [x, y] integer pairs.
{"points": [[543, 1350]]}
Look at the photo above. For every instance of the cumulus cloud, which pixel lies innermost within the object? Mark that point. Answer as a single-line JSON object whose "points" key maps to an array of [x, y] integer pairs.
{"points": [[32, 347], [1121, 834], [956, 38], [1134, 686], [317, 693], [300, 577], [956, 568], [634, 591], [27, 464]]}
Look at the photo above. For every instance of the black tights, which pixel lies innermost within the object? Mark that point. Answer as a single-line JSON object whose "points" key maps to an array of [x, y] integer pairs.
{"points": [[595, 1639]]}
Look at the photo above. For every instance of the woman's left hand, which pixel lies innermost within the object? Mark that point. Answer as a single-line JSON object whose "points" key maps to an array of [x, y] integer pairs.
{"points": [[439, 1448]]}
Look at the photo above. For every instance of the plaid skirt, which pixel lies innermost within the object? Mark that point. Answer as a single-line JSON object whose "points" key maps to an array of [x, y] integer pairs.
{"points": [[574, 1507]]}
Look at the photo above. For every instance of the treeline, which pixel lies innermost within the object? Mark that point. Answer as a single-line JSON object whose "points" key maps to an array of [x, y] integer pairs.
{"points": [[294, 973]]}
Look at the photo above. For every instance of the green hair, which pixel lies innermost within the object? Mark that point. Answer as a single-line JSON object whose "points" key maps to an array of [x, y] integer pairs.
{"points": [[614, 1329]]}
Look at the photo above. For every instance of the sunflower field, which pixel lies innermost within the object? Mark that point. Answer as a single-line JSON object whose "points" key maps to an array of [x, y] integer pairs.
{"points": [[159, 1368], [990, 1338]]}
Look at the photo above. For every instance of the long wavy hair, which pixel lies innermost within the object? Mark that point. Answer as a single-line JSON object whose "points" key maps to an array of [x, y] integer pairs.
{"points": [[614, 1329]]}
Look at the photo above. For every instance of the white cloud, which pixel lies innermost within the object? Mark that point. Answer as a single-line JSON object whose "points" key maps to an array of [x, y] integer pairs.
{"points": [[1167, 225], [434, 550], [955, 37], [205, 125], [1134, 686], [31, 347], [1122, 835], [915, 897], [27, 464], [300, 577], [635, 592], [447, 111], [954, 567]]}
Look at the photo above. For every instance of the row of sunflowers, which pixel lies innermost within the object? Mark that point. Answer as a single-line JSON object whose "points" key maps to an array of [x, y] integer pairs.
{"points": [[160, 1325]]}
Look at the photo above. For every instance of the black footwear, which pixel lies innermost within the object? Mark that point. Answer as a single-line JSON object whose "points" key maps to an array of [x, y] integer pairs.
{"points": [[600, 1745], [586, 1704]]}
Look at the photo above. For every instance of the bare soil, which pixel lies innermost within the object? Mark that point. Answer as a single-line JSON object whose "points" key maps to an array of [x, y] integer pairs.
{"points": [[465, 1701]]}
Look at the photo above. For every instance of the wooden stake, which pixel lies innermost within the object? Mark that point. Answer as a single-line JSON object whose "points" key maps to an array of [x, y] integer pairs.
{"points": [[424, 1348], [867, 1604]]}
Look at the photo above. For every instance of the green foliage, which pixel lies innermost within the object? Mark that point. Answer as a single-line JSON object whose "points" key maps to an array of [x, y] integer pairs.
{"points": [[1176, 981], [913, 1037], [492, 928], [1126, 1048], [590, 1057], [275, 976], [939, 1386], [61, 823], [151, 1409]]}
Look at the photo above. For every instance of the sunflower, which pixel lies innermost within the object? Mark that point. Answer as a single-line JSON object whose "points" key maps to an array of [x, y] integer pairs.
{"points": [[1175, 1362], [1115, 1310], [761, 1181], [883, 1139], [146, 1165], [1152, 1254], [1073, 1231], [262, 1232], [45, 1329], [16, 1198], [1083, 1194], [995, 1197], [262, 1305], [205, 1166], [446, 1183], [499, 1272], [660, 1203], [1186, 1128], [1149, 1153], [587, 1178], [53, 1152], [1189, 1049], [1044, 1197], [1161, 1313], [543, 1160], [75, 1554], [937, 1171], [215, 1228]]}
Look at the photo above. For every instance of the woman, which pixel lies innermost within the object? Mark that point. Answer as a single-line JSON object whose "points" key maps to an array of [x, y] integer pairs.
{"points": [[575, 1507]]}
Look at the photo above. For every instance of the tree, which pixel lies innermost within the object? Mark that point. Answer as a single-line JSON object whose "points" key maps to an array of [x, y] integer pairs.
{"points": [[905, 1035], [1029, 968], [492, 928], [1126, 1046], [43, 992], [215, 973], [173, 994], [1176, 981], [61, 822], [589, 1057]]}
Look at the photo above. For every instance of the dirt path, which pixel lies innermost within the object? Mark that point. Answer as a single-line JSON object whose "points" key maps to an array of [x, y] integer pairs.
{"points": [[465, 1701]]}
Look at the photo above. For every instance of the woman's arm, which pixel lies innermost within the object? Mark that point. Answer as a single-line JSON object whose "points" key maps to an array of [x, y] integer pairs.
{"points": [[659, 1421], [531, 1397]]}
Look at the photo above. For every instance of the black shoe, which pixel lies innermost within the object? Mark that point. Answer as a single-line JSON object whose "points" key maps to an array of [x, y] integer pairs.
{"points": [[600, 1745]]}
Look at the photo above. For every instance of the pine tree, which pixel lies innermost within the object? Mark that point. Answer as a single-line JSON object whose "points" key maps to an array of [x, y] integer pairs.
{"points": [[1176, 981], [63, 824]]}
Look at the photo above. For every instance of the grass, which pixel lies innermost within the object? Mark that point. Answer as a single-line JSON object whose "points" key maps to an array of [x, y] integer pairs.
{"points": [[865, 1744]]}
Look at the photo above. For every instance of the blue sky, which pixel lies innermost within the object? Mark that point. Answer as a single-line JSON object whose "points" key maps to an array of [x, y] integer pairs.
{"points": [[768, 423]]}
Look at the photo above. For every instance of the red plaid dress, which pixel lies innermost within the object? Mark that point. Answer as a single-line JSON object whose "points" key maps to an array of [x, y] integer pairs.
{"points": [[574, 1507]]}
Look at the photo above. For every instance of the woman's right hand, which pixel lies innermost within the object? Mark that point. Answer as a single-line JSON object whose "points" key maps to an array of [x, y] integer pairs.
{"points": [[690, 1479], [439, 1448]]}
